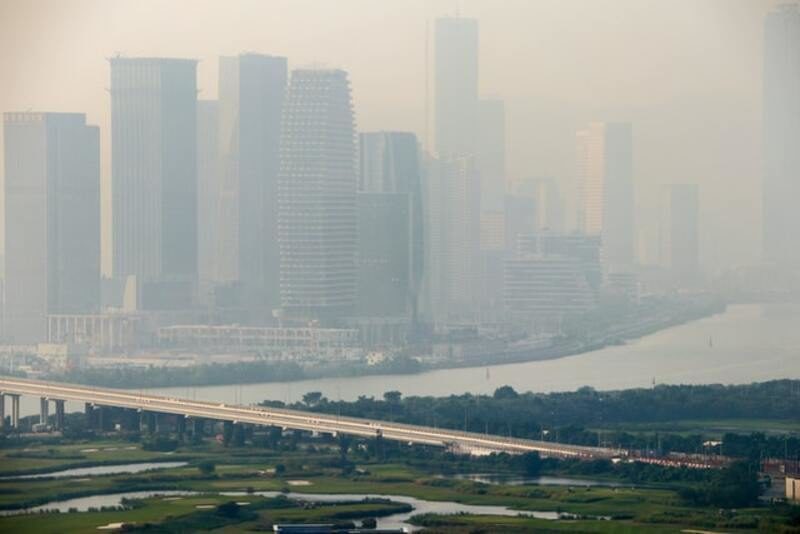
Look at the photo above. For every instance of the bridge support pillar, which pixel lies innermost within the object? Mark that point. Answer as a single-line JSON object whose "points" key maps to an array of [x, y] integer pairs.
{"points": [[180, 427], [131, 420], [197, 426], [88, 412], [44, 410], [59, 415], [102, 417], [227, 432], [147, 421], [14, 411], [2, 409]]}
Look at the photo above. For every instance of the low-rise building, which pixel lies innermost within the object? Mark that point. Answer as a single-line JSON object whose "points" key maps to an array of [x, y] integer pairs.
{"points": [[276, 340], [63, 356]]}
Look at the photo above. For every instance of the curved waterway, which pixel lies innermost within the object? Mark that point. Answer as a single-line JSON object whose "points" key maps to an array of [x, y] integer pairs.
{"points": [[101, 470], [394, 521], [746, 343]]}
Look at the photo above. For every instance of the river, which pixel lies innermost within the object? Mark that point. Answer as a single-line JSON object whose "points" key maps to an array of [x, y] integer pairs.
{"points": [[747, 343]]}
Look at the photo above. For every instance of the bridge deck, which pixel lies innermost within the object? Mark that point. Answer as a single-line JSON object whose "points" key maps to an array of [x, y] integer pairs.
{"points": [[299, 420]]}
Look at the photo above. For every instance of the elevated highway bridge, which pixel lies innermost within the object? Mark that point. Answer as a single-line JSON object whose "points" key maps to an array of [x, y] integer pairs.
{"points": [[466, 442]]}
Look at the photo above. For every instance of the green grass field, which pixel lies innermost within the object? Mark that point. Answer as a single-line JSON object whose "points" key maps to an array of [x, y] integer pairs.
{"points": [[249, 469]]}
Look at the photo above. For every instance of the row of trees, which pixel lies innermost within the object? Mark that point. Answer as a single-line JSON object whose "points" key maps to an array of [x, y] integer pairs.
{"points": [[565, 417]]}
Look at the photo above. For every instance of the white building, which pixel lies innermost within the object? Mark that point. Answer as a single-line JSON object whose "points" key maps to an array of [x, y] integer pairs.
{"points": [[317, 196]]}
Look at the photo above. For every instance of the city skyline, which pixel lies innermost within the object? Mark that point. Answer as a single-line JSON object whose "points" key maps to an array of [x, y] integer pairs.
{"points": [[541, 118], [291, 213], [458, 251]]}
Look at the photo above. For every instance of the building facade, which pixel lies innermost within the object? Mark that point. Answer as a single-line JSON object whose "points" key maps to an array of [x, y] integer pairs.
{"points": [[208, 189], [547, 285], [678, 230], [781, 136], [490, 152], [452, 237], [52, 220], [252, 91], [154, 177], [606, 190], [390, 229], [317, 220], [456, 85]]}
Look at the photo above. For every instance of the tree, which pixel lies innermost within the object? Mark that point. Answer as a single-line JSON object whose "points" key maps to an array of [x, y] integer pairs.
{"points": [[312, 398], [344, 445], [392, 397], [505, 392], [531, 463], [207, 467], [228, 509]]}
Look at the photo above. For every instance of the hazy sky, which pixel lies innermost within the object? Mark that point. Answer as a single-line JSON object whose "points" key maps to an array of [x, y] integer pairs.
{"points": [[686, 73]]}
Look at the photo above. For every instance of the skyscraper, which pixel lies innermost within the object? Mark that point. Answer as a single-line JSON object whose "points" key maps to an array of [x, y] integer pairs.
{"points": [[781, 188], [490, 153], [605, 178], [317, 196], [252, 90], [452, 237], [678, 230], [208, 189], [390, 227], [154, 176], [52, 220], [456, 85], [549, 203]]}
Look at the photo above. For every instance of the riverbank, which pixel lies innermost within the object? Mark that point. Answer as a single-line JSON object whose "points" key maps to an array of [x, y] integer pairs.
{"points": [[646, 321], [751, 343], [620, 335]]}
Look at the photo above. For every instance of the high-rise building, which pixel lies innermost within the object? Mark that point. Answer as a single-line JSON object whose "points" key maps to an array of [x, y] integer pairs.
{"points": [[154, 177], [390, 230], [208, 189], [452, 237], [781, 187], [678, 229], [317, 196], [456, 85], [549, 203], [605, 178], [252, 90], [520, 217], [52, 220], [384, 243], [490, 152]]}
